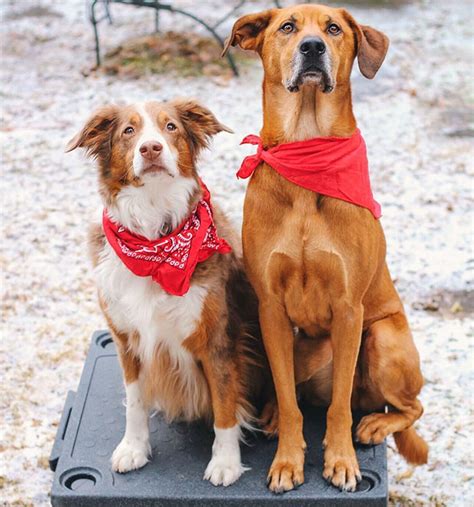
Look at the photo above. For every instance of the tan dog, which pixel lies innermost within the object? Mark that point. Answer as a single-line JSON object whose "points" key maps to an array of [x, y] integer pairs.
{"points": [[318, 264]]}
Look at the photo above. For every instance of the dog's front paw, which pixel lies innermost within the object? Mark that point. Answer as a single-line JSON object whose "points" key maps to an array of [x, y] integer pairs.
{"points": [[223, 470], [130, 456], [286, 472], [341, 469]]}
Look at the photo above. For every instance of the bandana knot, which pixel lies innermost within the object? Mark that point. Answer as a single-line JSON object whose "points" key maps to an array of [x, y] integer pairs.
{"points": [[170, 260], [251, 162], [332, 166]]}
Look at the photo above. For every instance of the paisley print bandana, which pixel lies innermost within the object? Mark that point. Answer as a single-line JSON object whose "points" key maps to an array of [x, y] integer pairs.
{"points": [[170, 260]]}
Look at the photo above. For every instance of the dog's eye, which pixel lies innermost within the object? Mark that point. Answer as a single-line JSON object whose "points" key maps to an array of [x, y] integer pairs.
{"points": [[171, 127], [129, 130], [333, 29], [287, 27]]}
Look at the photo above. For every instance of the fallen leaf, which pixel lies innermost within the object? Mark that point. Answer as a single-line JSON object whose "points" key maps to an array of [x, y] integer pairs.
{"points": [[405, 475], [456, 307]]}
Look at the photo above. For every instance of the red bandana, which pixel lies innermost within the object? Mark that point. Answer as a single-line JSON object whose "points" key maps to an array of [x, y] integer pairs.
{"points": [[169, 260], [333, 166]]}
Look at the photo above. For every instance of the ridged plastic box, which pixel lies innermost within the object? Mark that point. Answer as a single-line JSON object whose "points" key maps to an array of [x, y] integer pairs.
{"points": [[93, 423]]}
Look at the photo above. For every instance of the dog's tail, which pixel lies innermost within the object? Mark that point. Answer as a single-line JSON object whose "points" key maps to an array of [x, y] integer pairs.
{"points": [[411, 446]]}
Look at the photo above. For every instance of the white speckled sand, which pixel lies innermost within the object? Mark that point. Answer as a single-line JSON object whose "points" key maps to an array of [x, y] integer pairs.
{"points": [[420, 175]]}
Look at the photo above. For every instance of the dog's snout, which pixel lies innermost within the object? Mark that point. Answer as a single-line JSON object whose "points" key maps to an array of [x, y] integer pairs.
{"points": [[151, 149], [312, 46]]}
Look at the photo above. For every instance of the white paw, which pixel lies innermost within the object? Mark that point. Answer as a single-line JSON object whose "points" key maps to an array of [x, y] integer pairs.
{"points": [[130, 456], [223, 471]]}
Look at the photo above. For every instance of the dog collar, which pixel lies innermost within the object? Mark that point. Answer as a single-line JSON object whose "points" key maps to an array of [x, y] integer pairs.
{"points": [[332, 166], [170, 260]]}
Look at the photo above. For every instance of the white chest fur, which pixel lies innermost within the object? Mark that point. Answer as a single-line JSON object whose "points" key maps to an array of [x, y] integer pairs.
{"points": [[169, 373], [139, 304]]}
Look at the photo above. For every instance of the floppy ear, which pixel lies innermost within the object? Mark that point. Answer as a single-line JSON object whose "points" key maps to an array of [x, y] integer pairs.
{"points": [[199, 122], [372, 46], [247, 31], [97, 132]]}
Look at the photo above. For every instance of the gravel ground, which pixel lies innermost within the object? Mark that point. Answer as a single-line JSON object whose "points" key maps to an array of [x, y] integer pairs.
{"points": [[417, 120]]}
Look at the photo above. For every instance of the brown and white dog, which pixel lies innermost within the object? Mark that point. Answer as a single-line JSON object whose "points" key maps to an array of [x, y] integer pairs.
{"points": [[319, 263], [185, 356]]}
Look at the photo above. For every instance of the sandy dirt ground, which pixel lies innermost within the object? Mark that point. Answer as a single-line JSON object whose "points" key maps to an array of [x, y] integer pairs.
{"points": [[417, 119]]}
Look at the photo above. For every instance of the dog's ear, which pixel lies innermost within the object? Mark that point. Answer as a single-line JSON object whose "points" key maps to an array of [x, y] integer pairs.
{"points": [[96, 135], [248, 31], [371, 50], [199, 122], [372, 46]]}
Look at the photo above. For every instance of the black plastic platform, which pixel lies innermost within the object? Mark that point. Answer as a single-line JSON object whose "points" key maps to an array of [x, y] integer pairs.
{"points": [[93, 423]]}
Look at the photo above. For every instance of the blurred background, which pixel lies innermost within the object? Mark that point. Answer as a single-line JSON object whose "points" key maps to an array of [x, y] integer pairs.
{"points": [[416, 117]]}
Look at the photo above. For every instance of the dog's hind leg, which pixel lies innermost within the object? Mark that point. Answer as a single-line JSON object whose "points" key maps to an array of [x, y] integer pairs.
{"points": [[391, 373], [269, 418]]}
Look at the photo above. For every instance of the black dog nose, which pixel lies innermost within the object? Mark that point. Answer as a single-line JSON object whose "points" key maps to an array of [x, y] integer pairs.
{"points": [[312, 46]]}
